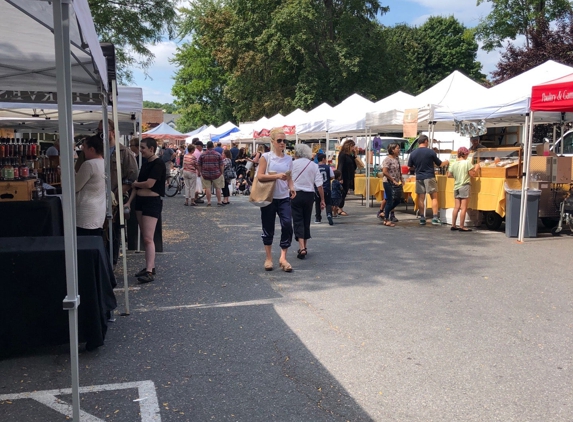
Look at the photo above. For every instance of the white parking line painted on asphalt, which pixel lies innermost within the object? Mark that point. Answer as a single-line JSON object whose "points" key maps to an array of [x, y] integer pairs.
{"points": [[214, 305], [148, 403]]}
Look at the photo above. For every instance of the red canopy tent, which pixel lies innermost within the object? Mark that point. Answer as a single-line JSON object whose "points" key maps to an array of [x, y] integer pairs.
{"points": [[556, 95]]}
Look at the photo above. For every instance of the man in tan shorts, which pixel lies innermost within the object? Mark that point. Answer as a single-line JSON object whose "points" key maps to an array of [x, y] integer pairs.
{"points": [[211, 168], [422, 160]]}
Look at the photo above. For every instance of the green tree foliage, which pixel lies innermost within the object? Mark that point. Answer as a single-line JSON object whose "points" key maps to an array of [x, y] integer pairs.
{"points": [[253, 58], [167, 108], [131, 25], [427, 54], [510, 18], [548, 42]]}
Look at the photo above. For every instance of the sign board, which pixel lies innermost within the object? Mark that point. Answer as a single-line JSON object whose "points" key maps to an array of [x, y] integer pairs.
{"points": [[410, 123]]}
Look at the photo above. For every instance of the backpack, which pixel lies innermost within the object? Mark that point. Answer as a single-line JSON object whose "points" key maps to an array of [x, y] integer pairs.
{"points": [[229, 172]]}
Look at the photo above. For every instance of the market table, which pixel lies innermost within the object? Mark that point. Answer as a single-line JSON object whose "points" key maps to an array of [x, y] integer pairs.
{"points": [[32, 218], [33, 286], [376, 188], [487, 193]]}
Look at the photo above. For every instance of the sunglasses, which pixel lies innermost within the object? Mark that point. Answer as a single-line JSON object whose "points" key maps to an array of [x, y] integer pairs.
{"points": [[280, 141]]}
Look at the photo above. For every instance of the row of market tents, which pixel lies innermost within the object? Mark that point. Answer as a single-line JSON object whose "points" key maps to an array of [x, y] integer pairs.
{"points": [[455, 98]]}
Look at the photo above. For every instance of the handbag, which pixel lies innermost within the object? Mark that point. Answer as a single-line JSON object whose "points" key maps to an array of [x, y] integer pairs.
{"points": [[262, 192], [397, 192]]}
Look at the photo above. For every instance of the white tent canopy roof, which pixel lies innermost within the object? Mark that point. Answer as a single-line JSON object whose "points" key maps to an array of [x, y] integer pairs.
{"points": [[349, 116], [507, 103], [450, 92], [27, 60]]}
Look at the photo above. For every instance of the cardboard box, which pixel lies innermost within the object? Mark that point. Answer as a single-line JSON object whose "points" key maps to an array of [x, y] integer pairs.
{"points": [[17, 190]]}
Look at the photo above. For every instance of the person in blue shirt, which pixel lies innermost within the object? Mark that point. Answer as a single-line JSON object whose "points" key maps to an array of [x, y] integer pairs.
{"points": [[337, 192], [327, 175]]}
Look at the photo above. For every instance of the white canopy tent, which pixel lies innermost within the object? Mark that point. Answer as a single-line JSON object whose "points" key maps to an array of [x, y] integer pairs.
{"points": [[30, 64], [346, 113], [313, 121], [507, 104], [221, 133], [205, 132], [348, 118], [450, 93]]}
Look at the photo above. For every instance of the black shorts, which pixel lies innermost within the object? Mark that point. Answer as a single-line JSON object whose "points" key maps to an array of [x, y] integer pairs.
{"points": [[149, 206]]}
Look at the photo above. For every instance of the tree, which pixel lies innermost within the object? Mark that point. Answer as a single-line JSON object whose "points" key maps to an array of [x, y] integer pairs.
{"points": [[427, 54], [545, 44], [131, 25], [167, 108], [279, 55], [510, 18]]}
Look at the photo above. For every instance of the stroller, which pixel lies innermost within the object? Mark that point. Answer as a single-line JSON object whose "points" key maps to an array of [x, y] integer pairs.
{"points": [[565, 216], [242, 185], [241, 169]]}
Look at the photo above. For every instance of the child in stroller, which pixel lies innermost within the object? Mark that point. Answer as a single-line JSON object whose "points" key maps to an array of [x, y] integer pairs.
{"points": [[243, 185]]}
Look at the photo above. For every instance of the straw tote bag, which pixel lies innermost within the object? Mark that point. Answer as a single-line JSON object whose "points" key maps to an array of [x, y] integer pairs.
{"points": [[262, 192]]}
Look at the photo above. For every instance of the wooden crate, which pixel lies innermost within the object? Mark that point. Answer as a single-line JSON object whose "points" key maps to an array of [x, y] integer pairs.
{"points": [[17, 190], [501, 172]]}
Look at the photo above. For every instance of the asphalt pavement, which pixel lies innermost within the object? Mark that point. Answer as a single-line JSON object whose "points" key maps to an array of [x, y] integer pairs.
{"points": [[405, 323]]}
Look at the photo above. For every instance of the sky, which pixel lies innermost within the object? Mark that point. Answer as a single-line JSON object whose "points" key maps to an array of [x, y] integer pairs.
{"points": [[157, 87]]}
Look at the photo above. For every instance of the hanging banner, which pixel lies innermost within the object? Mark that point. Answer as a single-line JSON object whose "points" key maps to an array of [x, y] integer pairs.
{"points": [[47, 97], [410, 123], [289, 130]]}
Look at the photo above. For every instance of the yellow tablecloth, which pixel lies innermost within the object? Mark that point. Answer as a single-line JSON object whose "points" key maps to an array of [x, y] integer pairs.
{"points": [[376, 187], [487, 194]]}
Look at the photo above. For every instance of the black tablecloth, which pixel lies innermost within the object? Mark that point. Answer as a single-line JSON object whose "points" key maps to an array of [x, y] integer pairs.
{"points": [[33, 286], [32, 218]]}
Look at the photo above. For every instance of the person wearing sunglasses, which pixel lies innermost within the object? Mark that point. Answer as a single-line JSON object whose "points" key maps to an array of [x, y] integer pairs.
{"points": [[276, 165]]}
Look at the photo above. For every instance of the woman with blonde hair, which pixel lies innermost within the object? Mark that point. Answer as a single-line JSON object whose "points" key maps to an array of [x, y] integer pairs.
{"points": [[346, 166], [276, 165]]}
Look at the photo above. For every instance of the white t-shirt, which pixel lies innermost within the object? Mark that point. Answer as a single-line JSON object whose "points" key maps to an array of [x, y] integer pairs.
{"points": [[306, 175], [279, 165], [90, 194]]}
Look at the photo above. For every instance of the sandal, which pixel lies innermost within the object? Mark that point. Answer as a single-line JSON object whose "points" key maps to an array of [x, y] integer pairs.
{"points": [[389, 224], [268, 265], [301, 253], [193, 204], [465, 229], [343, 213], [286, 267], [453, 228]]}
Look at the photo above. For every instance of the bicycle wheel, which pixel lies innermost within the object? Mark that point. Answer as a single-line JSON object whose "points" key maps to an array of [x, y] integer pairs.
{"points": [[171, 186]]}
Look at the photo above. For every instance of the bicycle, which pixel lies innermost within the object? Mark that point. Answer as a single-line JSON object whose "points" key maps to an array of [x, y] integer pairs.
{"points": [[174, 183]]}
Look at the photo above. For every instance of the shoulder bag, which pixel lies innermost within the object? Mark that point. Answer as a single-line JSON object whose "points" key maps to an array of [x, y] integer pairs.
{"points": [[262, 192]]}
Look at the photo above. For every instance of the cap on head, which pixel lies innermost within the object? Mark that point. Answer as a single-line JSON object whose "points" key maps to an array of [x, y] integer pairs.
{"points": [[463, 152]]}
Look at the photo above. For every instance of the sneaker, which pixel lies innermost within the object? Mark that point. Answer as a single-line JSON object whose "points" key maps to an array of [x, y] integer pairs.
{"points": [[143, 272], [422, 221], [436, 222], [318, 221], [393, 218], [329, 216], [147, 278], [199, 201]]}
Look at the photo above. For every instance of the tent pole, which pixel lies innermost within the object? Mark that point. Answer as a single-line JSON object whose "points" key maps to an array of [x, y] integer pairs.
{"points": [[562, 146], [109, 217], [120, 195], [525, 175], [139, 168], [71, 302]]}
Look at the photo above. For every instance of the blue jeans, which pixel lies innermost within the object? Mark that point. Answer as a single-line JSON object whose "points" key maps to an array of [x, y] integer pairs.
{"points": [[391, 200], [268, 217]]}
